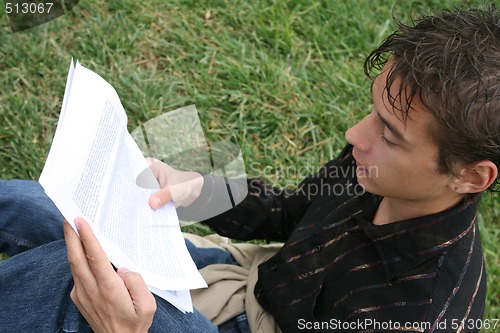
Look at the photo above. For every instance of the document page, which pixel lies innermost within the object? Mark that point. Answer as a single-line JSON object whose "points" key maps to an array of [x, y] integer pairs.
{"points": [[91, 171]]}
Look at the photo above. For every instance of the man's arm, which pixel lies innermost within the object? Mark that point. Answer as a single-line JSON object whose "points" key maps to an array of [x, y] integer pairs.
{"points": [[267, 212], [262, 212], [110, 301]]}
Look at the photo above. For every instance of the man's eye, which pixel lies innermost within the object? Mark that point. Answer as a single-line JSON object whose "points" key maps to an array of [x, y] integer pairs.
{"points": [[384, 139]]}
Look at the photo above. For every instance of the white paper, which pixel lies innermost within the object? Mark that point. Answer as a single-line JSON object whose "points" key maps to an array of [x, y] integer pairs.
{"points": [[91, 172]]}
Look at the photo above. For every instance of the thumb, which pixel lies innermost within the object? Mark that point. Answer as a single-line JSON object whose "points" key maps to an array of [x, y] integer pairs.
{"points": [[144, 301], [160, 198]]}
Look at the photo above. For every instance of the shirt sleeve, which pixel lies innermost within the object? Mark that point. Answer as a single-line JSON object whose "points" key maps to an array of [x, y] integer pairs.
{"points": [[266, 212]]}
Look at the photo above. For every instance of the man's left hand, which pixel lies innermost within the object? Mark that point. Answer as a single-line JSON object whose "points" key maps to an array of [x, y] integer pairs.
{"points": [[110, 301]]}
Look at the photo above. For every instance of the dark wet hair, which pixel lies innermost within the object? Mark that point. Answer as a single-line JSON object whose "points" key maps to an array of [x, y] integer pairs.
{"points": [[451, 62]]}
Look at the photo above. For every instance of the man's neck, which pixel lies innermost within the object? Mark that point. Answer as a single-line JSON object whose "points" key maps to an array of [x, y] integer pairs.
{"points": [[392, 210]]}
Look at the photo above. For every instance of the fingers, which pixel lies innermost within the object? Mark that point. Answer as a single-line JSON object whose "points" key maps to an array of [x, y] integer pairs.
{"points": [[152, 160], [144, 301], [93, 255], [160, 171], [181, 187], [76, 256], [160, 198]]}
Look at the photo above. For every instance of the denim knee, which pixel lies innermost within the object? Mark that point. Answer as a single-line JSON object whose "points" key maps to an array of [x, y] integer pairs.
{"points": [[28, 218]]}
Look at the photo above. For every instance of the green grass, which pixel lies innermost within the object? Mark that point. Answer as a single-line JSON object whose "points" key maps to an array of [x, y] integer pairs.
{"points": [[282, 79]]}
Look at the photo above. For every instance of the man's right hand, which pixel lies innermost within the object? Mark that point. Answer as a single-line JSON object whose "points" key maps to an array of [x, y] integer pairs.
{"points": [[181, 187]]}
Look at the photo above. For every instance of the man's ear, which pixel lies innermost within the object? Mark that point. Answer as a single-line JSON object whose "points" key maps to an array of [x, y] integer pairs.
{"points": [[475, 178]]}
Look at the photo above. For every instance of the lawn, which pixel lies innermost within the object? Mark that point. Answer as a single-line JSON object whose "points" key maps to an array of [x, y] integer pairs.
{"points": [[282, 79]]}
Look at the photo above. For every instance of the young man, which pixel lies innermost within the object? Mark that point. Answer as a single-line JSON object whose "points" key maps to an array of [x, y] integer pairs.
{"points": [[401, 254]]}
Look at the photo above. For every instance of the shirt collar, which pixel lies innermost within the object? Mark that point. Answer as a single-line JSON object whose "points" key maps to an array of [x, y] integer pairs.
{"points": [[405, 244]]}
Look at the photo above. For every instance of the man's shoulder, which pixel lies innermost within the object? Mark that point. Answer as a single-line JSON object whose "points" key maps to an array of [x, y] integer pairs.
{"points": [[460, 285]]}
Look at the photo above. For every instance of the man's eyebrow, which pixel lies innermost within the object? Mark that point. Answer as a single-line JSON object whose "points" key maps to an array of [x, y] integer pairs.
{"points": [[391, 128]]}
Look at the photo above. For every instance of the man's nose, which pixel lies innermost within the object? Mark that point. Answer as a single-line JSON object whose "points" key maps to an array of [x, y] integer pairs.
{"points": [[358, 136]]}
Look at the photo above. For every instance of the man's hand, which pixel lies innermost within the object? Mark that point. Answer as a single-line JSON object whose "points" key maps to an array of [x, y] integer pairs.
{"points": [[183, 187], [110, 301]]}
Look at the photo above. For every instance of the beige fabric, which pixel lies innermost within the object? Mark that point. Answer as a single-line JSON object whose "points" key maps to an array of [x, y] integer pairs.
{"points": [[230, 288]]}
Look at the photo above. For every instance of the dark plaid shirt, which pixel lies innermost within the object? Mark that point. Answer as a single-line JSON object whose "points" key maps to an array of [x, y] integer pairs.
{"points": [[337, 271]]}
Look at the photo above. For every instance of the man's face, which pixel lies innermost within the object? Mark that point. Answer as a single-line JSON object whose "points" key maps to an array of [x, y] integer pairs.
{"points": [[396, 160]]}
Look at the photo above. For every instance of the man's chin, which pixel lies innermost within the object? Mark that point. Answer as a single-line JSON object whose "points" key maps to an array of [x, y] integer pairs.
{"points": [[367, 185]]}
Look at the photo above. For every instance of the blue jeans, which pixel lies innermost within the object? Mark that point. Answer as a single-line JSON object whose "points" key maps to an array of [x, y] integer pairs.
{"points": [[35, 284]]}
